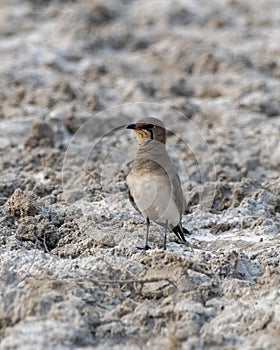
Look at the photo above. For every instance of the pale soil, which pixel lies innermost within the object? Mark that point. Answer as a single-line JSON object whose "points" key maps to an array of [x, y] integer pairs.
{"points": [[72, 75]]}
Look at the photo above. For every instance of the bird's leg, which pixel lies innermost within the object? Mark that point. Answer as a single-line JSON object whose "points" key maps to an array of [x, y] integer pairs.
{"points": [[147, 233], [165, 234]]}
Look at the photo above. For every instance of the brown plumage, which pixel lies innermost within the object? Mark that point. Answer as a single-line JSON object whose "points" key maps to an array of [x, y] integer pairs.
{"points": [[154, 185]]}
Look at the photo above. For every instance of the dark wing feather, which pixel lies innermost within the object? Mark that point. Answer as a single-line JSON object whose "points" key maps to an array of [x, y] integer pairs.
{"points": [[131, 199], [179, 231], [185, 231]]}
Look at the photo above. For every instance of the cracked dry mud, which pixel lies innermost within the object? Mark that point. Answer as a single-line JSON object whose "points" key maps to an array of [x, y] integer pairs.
{"points": [[73, 74]]}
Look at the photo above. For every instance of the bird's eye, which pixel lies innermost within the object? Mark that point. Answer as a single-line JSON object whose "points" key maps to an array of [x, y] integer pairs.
{"points": [[149, 126]]}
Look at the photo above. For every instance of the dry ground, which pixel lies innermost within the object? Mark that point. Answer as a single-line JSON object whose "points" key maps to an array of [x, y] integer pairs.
{"points": [[72, 75]]}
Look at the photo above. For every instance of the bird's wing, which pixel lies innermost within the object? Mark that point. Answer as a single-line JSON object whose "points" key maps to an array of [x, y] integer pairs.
{"points": [[132, 201], [178, 193]]}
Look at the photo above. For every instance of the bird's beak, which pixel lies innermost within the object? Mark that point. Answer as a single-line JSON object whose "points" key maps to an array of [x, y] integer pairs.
{"points": [[131, 126]]}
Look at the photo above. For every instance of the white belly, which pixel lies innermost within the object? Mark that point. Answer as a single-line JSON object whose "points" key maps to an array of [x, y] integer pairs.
{"points": [[155, 199]]}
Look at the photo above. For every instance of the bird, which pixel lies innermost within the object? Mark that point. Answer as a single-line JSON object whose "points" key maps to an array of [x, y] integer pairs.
{"points": [[154, 187]]}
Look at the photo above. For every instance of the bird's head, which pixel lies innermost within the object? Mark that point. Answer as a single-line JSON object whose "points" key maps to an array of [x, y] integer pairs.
{"points": [[148, 129]]}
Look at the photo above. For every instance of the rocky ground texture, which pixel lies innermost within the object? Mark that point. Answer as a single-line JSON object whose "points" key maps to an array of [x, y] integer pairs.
{"points": [[72, 75]]}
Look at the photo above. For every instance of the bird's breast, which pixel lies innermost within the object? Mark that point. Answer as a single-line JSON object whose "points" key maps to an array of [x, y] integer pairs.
{"points": [[154, 197]]}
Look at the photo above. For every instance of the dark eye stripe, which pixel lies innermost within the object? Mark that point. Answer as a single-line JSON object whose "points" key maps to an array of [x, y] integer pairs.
{"points": [[149, 126]]}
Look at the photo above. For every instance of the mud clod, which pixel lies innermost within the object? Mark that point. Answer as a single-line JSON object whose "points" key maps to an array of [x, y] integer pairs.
{"points": [[21, 205], [40, 135]]}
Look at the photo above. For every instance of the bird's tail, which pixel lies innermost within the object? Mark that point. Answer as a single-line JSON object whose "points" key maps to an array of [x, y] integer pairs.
{"points": [[179, 231], [186, 231]]}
